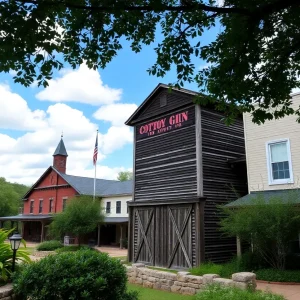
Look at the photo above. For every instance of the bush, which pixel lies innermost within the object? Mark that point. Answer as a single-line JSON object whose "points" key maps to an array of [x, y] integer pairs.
{"points": [[72, 248], [278, 275], [217, 292], [49, 246], [79, 275]]}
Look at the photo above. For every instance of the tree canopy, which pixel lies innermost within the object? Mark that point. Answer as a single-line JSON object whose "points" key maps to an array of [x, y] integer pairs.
{"points": [[81, 216], [252, 64], [124, 176], [10, 197]]}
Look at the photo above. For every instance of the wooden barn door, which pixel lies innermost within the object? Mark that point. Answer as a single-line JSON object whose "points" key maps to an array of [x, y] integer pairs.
{"points": [[166, 235], [143, 234], [181, 236]]}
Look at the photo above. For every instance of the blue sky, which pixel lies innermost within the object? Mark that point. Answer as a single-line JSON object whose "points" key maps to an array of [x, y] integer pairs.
{"points": [[77, 102]]}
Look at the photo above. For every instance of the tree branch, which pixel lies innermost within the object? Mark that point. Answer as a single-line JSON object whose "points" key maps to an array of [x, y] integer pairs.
{"points": [[159, 8]]}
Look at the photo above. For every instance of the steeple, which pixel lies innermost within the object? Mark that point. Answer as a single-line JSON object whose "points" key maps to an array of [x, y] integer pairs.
{"points": [[60, 157]]}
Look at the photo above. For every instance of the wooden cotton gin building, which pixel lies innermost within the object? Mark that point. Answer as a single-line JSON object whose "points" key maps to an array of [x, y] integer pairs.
{"points": [[186, 163]]}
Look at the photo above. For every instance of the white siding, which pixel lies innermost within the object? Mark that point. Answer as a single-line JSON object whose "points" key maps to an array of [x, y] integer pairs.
{"points": [[113, 201], [256, 137]]}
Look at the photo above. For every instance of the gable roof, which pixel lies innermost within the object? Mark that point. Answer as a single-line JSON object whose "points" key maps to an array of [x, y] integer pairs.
{"points": [[104, 187], [85, 185], [266, 196], [158, 88], [61, 149]]}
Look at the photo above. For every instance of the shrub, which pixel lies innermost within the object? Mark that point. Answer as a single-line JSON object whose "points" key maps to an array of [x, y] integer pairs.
{"points": [[49, 246], [6, 255], [270, 224], [72, 248], [217, 292], [278, 275], [79, 275]]}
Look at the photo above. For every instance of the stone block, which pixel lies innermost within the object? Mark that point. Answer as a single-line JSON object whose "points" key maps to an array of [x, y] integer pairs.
{"points": [[147, 284], [175, 288], [243, 276], [187, 291], [223, 281], [194, 279], [193, 285], [181, 276], [160, 274], [240, 285], [178, 283], [171, 276], [165, 287], [208, 278], [139, 281], [157, 285], [152, 279]]}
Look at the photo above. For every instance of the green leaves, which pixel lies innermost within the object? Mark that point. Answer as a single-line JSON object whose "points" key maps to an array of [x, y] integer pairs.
{"points": [[254, 59], [80, 217], [6, 255]]}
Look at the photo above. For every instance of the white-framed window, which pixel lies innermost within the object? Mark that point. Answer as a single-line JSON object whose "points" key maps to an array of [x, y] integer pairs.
{"points": [[279, 162], [64, 204], [31, 206], [118, 207], [108, 207]]}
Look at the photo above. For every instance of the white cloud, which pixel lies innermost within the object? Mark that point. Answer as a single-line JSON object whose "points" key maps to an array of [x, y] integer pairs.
{"points": [[15, 113], [117, 114], [82, 85], [25, 158]]}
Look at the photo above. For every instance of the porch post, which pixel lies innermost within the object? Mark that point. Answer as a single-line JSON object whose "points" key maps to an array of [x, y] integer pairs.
{"points": [[42, 233], [98, 238], [1, 224], [121, 238], [238, 247]]}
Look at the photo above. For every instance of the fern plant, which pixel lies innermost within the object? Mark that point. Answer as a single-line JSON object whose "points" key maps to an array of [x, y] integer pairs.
{"points": [[6, 254]]}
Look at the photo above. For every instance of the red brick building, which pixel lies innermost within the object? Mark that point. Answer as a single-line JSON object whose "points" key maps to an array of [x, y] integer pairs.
{"points": [[51, 193]]}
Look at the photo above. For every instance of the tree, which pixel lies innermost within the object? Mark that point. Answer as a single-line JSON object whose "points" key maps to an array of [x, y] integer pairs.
{"points": [[253, 63], [10, 197], [270, 224], [81, 216], [124, 176]]}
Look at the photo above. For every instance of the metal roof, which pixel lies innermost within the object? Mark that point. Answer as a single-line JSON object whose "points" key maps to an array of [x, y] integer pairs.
{"points": [[104, 187], [61, 149], [287, 195], [116, 219], [27, 218]]}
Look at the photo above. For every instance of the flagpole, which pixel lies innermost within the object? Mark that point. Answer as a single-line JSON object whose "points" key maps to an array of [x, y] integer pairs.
{"points": [[95, 170]]}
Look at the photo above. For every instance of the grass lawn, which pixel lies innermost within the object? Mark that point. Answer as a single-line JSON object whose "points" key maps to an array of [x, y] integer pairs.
{"points": [[30, 250], [150, 294]]}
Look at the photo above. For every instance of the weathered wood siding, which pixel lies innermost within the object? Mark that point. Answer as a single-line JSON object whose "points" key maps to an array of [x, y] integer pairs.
{"points": [[165, 235], [221, 181], [165, 164]]}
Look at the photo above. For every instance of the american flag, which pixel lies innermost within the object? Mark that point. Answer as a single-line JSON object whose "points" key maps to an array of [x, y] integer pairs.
{"points": [[95, 151]]}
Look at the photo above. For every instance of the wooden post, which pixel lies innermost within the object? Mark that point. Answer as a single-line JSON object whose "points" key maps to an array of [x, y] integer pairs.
{"points": [[98, 238], [238, 247], [42, 233], [121, 238], [1, 224]]}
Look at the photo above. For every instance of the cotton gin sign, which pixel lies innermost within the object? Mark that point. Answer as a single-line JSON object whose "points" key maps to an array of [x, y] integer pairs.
{"points": [[165, 124]]}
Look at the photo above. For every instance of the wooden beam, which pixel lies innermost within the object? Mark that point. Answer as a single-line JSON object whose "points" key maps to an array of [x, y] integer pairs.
{"points": [[98, 236], [121, 238], [238, 247], [42, 233]]}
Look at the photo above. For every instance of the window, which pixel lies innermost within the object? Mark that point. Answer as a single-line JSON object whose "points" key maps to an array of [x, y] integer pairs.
{"points": [[50, 205], [31, 206], [108, 206], [64, 203], [41, 206], [118, 207], [279, 162]]}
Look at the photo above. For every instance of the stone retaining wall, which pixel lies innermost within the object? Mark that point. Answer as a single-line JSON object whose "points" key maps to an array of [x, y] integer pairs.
{"points": [[183, 282], [6, 292]]}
